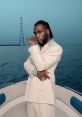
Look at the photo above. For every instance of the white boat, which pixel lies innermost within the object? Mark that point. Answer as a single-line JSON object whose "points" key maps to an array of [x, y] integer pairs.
{"points": [[15, 104]]}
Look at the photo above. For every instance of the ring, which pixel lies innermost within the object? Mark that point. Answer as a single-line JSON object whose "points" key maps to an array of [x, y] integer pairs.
{"points": [[43, 78]]}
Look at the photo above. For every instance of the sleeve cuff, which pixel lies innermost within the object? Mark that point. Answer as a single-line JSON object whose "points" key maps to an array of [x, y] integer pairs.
{"points": [[34, 72], [34, 49]]}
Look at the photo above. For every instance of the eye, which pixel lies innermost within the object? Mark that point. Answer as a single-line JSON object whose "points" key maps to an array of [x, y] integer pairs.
{"points": [[39, 32]]}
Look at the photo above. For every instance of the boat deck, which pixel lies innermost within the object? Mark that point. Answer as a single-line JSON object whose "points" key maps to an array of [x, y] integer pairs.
{"points": [[19, 110], [18, 107]]}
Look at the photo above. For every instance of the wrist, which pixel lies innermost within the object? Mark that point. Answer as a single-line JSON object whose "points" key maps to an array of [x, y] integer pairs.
{"points": [[34, 72], [32, 44]]}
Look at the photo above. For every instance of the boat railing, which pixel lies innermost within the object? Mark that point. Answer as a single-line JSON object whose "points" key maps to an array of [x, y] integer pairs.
{"points": [[74, 90]]}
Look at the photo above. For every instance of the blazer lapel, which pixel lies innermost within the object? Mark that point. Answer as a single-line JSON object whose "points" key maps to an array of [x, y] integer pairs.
{"points": [[47, 45], [44, 48]]}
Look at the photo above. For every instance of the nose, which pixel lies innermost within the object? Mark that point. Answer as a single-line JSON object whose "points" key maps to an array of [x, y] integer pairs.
{"points": [[37, 35]]}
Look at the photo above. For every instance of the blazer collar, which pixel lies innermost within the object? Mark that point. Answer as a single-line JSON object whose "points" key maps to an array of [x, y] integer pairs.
{"points": [[47, 45]]}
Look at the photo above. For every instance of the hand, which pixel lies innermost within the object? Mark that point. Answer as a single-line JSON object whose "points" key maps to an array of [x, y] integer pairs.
{"points": [[43, 74], [31, 40]]}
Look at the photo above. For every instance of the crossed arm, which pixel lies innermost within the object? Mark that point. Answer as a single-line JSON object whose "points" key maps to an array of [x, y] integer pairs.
{"points": [[40, 63], [32, 71]]}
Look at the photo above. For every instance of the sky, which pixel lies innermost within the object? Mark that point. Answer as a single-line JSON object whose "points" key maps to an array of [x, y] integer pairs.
{"points": [[64, 17]]}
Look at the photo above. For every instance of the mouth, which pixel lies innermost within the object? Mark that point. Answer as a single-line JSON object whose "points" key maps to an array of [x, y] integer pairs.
{"points": [[40, 40]]}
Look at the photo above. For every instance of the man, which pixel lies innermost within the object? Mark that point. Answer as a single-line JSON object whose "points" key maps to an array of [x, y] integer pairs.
{"points": [[44, 56]]}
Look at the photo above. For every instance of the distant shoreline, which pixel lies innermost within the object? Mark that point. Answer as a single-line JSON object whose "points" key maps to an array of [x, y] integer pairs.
{"points": [[26, 44], [12, 45]]}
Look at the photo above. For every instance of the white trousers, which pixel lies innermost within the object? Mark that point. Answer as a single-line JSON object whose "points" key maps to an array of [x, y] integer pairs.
{"points": [[40, 110]]}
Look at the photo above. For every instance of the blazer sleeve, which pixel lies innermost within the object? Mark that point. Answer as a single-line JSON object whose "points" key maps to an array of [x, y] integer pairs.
{"points": [[30, 68], [45, 62]]}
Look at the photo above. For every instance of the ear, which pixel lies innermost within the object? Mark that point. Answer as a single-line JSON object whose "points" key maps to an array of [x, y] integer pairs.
{"points": [[48, 31]]}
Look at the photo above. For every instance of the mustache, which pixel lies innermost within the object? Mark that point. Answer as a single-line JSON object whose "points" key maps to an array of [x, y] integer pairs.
{"points": [[45, 40]]}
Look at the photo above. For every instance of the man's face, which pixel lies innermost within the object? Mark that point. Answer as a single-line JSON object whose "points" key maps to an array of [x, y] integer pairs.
{"points": [[41, 33]]}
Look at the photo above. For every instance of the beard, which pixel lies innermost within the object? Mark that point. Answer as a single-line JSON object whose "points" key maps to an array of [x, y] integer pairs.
{"points": [[45, 40]]}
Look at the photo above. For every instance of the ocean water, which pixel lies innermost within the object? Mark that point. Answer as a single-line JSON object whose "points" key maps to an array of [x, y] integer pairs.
{"points": [[68, 72]]}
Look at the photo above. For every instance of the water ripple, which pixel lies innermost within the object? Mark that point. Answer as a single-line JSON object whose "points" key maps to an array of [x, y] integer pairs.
{"points": [[3, 64]]}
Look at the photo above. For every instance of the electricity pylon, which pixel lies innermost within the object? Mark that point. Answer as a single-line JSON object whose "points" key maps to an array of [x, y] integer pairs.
{"points": [[21, 37]]}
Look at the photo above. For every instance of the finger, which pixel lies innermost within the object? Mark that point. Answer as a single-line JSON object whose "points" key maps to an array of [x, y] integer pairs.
{"points": [[40, 78], [47, 77], [33, 37], [46, 71]]}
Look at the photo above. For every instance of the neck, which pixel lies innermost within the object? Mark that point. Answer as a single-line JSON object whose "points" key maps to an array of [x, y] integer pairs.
{"points": [[49, 39]]}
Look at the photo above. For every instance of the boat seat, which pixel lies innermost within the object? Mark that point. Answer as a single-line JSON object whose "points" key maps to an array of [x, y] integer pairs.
{"points": [[2, 98], [76, 103]]}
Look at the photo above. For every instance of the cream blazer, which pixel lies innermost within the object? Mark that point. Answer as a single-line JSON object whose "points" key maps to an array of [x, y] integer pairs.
{"points": [[46, 58]]}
